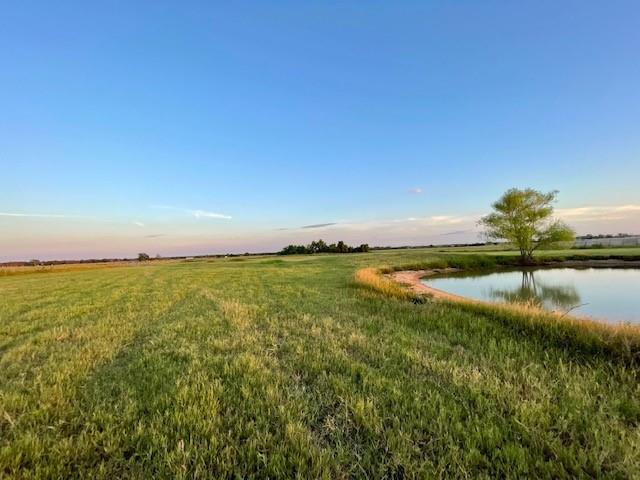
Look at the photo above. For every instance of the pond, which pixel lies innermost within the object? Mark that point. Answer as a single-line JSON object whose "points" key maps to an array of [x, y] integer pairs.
{"points": [[607, 294]]}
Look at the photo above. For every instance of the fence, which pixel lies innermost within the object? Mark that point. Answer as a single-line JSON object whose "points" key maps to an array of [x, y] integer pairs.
{"points": [[609, 242]]}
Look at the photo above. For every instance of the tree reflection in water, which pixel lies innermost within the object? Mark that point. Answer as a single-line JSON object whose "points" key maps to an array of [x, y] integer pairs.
{"points": [[534, 292]]}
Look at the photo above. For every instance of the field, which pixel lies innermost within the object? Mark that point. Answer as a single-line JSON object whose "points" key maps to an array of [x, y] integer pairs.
{"points": [[284, 366]]}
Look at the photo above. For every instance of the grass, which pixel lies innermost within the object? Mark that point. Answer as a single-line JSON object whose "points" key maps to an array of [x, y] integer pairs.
{"points": [[69, 267], [585, 336], [274, 367], [373, 279]]}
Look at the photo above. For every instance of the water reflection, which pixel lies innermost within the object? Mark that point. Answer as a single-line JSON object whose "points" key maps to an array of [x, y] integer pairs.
{"points": [[610, 294], [532, 291]]}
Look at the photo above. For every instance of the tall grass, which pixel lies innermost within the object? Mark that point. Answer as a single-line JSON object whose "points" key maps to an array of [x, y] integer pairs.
{"points": [[66, 267], [372, 279], [462, 262], [586, 336]]}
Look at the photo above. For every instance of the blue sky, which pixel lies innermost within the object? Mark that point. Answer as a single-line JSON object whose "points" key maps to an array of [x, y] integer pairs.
{"points": [[125, 125]]}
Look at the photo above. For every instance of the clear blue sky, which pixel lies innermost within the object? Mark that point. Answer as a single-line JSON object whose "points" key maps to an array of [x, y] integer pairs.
{"points": [[124, 125]]}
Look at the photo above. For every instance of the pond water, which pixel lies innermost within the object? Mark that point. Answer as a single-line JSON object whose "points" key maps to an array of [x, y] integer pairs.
{"points": [[607, 294]]}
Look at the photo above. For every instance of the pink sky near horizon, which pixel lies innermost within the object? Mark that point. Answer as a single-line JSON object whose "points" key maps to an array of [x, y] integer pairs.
{"points": [[55, 238]]}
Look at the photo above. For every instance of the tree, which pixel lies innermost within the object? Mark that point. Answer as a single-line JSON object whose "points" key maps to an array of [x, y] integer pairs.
{"points": [[320, 246], [143, 257], [317, 246], [342, 247], [525, 218], [363, 248], [293, 250]]}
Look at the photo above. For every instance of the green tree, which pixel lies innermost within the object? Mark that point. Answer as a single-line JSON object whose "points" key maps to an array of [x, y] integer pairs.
{"points": [[293, 249], [317, 246], [525, 218], [143, 257]]}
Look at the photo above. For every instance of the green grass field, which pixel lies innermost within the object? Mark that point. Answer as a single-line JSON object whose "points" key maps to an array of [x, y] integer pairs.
{"points": [[284, 367]]}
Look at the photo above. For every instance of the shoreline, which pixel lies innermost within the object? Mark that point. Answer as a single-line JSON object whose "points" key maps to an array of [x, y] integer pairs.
{"points": [[411, 279]]}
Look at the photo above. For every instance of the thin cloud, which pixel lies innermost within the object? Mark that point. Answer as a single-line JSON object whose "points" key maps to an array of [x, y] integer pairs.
{"points": [[36, 215], [138, 224], [438, 219], [416, 190], [205, 214], [581, 214], [319, 225], [195, 213], [156, 235]]}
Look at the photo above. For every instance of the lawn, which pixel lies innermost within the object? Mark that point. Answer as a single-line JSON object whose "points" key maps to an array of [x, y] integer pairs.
{"points": [[285, 367]]}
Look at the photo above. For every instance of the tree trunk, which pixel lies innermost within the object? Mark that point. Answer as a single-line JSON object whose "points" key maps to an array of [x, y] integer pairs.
{"points": [[526, 257]]}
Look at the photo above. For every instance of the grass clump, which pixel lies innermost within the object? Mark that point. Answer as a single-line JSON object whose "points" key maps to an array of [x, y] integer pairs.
{"points": [[373, 279], [585, 336]]}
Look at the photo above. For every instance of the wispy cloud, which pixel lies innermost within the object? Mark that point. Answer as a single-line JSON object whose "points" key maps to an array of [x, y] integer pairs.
{"points": [[438, 219], [445, 219], [319, 225], [155, 235], [416, 190], [205, 214], [195, 213], [590, 213], [138, 224], [36, 215]]}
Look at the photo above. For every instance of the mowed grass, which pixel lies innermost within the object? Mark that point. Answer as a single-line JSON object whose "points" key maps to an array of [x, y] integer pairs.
{"points": [[285, 367]]}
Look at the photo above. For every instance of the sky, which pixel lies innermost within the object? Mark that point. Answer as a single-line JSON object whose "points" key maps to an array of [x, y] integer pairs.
{"points": [[183, 128]]}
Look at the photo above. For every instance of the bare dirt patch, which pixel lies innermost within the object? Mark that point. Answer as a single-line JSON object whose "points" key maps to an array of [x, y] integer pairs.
{"points": [[411, 279]]}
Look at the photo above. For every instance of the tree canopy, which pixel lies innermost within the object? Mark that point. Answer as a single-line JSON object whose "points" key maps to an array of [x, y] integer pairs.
{"points": [[525, 218], [320, 246]]}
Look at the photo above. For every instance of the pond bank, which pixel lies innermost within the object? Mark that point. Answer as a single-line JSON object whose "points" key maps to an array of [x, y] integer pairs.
{"points": [[411, 279], [620, 342]]}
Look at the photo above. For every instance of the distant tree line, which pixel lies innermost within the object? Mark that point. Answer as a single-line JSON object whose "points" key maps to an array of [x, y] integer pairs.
{"points": [[619, 235], [320, 246]]}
